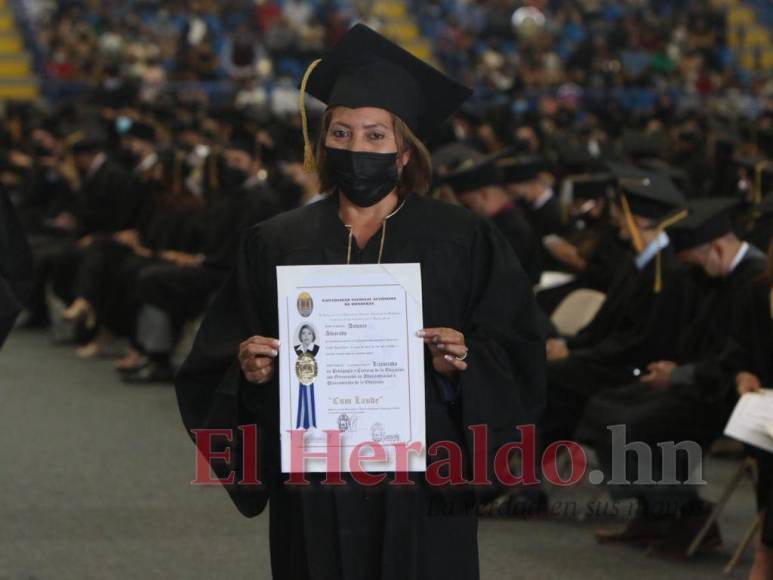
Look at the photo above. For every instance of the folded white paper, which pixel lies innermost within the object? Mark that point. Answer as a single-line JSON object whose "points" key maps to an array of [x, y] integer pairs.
{"points": [[752, 420]]}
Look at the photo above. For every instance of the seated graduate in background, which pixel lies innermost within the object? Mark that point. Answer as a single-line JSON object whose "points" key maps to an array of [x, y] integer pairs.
{"points": [[100, 205], [590, 244], [484, 355], [178, 288], [15, 267], [529, 181], [754, 371], [647, 307], [144, 185], [684, 398], [478, 187]]}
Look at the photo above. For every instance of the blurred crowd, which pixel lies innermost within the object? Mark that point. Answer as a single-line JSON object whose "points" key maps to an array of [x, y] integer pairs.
{"points": [[183, 40], [587, 45]]}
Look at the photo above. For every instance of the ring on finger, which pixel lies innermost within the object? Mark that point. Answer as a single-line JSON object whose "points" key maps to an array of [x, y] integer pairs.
{"points": [[463, 356]]}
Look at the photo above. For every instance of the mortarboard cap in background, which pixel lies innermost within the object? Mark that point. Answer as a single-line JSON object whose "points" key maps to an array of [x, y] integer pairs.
{"points": [[142, 130], [243, 139], [474, 174], [591, 186], [707, 220], [450, 157], [86, 140], [652, 196], [522, 168]]}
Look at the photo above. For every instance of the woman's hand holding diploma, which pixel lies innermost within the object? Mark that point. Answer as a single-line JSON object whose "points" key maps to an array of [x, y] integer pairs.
{"points": [[447, 348], [256, 358]]}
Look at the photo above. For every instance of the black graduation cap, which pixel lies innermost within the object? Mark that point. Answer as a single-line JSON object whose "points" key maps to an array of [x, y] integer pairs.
{"points": [[366, 70], [243, 140], [652, 195], [452, 155], [87, 140], [475, 174], [707, 220], [591, 186], [576, 158], [625, 170], [675, 174], [522, 168], [142, 130]]}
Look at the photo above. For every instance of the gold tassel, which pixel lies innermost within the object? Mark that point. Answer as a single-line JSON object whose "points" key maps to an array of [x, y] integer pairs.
{"points": [[309, 162], [632, 227], [757, 190], [668, 222]]}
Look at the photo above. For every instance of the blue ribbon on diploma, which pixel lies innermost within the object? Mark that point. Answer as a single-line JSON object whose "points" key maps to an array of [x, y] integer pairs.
{"points": [[307, 414]]}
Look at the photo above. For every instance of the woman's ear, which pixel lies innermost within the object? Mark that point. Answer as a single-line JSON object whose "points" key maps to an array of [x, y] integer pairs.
{"points": [[405, 157]]}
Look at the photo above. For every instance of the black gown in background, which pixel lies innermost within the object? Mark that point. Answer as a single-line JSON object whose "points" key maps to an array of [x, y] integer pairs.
{"points": [[694, 408], [15, 267], [634, 327], [756, 341], [471, 282], [513, 224]]}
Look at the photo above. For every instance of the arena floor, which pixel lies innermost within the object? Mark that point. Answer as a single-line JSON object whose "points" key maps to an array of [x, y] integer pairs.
{"points": [[94, 483]]}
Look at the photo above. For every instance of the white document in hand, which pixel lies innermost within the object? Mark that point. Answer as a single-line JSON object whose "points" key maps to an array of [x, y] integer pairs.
{"points": [[350, 362], [752, 420]]}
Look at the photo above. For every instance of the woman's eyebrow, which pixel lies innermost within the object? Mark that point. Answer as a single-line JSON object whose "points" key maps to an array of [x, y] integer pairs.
{"points": [[341, 124], [372, 125]]}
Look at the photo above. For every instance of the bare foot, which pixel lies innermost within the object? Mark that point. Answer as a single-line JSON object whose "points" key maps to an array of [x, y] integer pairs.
{"points": [[97, 346], [132, 360], [81, 309]]}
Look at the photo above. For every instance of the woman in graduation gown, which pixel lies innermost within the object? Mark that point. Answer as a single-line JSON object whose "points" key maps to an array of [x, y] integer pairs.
{"points": [[484, 356]]}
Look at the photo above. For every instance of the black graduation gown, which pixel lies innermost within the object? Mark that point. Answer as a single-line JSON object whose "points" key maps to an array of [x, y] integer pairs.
{"points": [[15, 267], [105, 203], [694, 408], [513, 224], [633, 328], [546, 219], [755, 339], [712, 338], [183, 291], [472, 282], [604, 251]]}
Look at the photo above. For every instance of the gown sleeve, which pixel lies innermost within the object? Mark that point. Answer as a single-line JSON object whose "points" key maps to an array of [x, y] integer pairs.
{"points": [[504, 384], [210, 386]]}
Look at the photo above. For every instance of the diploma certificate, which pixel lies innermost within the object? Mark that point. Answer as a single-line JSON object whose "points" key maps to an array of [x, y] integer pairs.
{"points": [[350, 361]]}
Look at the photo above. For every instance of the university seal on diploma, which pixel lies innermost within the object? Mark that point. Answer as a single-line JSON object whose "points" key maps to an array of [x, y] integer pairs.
{"points": [[306, 368]]}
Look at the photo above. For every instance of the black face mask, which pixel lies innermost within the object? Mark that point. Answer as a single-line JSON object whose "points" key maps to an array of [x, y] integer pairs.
{"points": [[365, 178]]}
